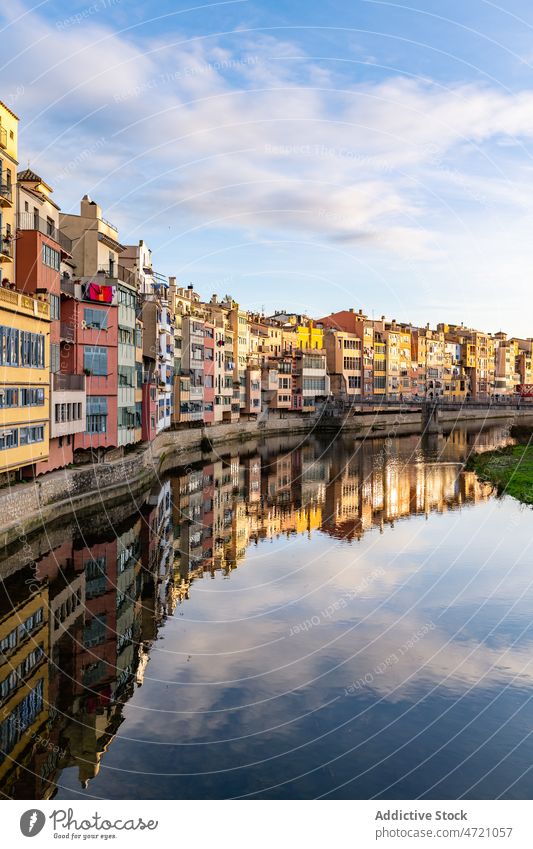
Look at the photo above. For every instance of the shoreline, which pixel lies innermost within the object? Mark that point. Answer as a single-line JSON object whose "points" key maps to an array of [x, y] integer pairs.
{"points": [[79, 491], [509, 470]]}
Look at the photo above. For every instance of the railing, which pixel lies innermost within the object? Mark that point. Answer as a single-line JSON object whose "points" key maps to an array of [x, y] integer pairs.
{"points": [[22, 301], [68, 286], [119, 272], [29, 221], [6, 191], [105, 221], [6, 245], [67, 331], [68, 382], [64, 242], [3, 136]]}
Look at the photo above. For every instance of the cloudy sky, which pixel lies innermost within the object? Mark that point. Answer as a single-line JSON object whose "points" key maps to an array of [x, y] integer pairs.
{"points": [[305, 156]]}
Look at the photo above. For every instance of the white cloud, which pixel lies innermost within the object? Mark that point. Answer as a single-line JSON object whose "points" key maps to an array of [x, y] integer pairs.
{"points": [[247, 134]]}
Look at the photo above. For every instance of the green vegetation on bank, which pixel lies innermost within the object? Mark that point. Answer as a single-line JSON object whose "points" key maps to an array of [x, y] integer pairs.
{"points": [[509, 469]]}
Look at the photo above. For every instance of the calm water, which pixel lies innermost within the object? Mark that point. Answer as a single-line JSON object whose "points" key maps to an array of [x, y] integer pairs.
{"points": [[303, 620]]}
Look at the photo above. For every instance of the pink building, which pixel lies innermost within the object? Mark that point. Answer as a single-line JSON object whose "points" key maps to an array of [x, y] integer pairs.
{"points": [[91, 328], [149, 410]]}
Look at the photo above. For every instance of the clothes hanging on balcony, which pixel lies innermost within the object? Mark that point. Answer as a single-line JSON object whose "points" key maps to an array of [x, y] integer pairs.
{"points": [[99, 293]]}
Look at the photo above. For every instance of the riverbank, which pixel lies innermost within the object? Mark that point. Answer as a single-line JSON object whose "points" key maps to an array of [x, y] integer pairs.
{"points": [[27, 508], [509, 469]]}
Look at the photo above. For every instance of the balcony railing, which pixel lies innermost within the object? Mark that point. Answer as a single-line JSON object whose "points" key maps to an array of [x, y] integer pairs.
{"points": [[6, 193], [67, 332], [6, 245], [3, 136], [68, 286], [68, 382], [29, 221], [119, 272], [64, 242]]}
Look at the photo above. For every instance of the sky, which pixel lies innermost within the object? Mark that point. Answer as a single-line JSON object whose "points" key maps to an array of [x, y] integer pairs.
{"points": [[299, 156]]}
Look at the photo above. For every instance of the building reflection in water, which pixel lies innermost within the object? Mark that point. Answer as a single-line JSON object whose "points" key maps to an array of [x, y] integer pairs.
{"points": [[78, 620]]}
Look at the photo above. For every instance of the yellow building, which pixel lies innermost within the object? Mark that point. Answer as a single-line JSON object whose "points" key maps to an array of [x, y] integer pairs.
{"points": [[24, 381], [8, 180], [24, 652], [309, 337]]}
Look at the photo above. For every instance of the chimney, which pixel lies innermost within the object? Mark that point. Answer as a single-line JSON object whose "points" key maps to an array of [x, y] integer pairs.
{"points": [[351, 309], [89, 209]]}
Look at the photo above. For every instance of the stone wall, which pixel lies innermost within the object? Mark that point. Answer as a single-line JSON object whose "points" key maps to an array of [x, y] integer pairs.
{"points": [[27, 508]]}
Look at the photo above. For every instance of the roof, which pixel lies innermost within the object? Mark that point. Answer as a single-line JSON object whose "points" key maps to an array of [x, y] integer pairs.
{"points": [[9, 110], [29, 176]]}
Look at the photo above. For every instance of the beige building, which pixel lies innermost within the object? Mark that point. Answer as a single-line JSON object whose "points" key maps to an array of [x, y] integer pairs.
{"points": [[344, 363]]}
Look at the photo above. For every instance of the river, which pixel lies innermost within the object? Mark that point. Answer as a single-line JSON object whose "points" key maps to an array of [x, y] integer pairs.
{"points": [[298, 620]]}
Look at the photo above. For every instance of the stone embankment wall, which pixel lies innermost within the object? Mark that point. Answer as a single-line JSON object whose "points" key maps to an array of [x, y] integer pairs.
{"points": [[91, 489], [28, 507]]}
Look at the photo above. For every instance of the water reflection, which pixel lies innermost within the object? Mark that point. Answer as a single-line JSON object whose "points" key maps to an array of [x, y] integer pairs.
{"points": [[80, 623]]}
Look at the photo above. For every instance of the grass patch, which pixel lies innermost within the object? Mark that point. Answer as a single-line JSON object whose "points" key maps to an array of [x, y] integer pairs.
{"points": [[509, 469]]}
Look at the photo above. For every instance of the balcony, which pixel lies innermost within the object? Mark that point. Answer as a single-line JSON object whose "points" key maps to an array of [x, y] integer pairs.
{"points": [[3, 137], [6, 194], [24, 304], [119, 272], [67, 332], [29, 221], [6, 247], [68, 287], [68, 382]]}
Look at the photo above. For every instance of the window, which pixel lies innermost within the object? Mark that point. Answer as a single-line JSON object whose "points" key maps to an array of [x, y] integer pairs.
{"points": [[9, 397], [352, 344], [21, 348], [126, 376], [9, 346], [126, 297], [125, 336], [354, 382], [29, 435], [95, 318], [311, 362], [9, 642], [21, 718], [95, 359], [314, 384], [352, 363], [55, 302], [50, 257], [8, 439], [96, 414], [54, 357], [31, 396]]}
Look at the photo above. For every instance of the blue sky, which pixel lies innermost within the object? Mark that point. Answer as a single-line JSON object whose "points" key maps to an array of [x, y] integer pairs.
{"points": [[302, 156]]}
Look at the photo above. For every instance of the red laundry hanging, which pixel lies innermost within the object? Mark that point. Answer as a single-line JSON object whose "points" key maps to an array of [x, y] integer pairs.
{"points": [[102, 294]]}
